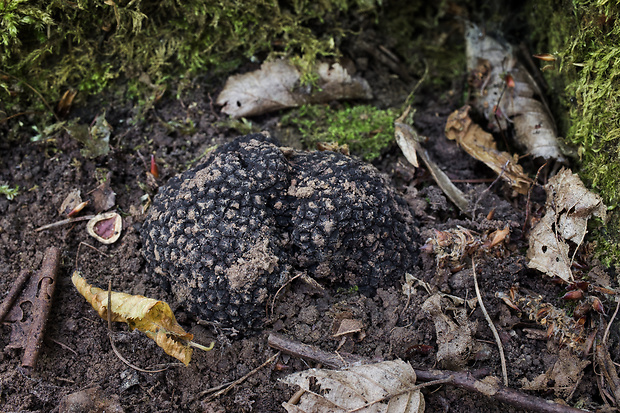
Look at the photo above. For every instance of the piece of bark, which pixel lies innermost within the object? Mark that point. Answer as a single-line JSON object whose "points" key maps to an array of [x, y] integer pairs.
{"points": [[27, 332]]}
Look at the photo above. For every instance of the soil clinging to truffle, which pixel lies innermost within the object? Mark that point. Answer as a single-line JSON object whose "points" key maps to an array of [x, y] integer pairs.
{"points": [[229, 232]]}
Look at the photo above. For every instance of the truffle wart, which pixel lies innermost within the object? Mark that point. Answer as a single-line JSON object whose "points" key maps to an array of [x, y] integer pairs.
{"points": [[229, 232]]}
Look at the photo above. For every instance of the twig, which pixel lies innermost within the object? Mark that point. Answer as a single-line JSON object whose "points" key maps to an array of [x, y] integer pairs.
{"points": [[385, 58], [63, 345], [273, 302], [529, 194], [407, 390], [487, 189], [65, 222], [464, 380], [613, 317], [236, 382], [45, 286], [16, 289], [118, 354], [608, 370], [491, 325]]}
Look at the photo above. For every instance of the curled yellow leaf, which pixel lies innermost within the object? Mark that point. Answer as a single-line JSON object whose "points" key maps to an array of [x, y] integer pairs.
{"points": [[152, 317]]}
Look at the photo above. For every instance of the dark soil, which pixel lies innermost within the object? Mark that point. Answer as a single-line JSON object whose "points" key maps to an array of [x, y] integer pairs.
{"points": [[76, 353]]}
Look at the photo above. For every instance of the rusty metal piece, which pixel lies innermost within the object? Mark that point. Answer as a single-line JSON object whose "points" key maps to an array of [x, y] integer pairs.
{"points": [[31, 310]]}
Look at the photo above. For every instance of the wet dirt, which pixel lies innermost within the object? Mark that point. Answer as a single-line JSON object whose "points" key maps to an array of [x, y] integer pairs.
{"points": [[76, 353]]}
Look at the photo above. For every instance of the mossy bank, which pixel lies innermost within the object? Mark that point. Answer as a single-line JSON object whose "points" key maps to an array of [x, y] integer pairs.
{"points": [[584, 38]]}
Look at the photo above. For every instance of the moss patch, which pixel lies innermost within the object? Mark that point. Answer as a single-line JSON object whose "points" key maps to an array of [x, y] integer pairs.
{"points": [[58, 45], [367, 131], [585, 38]]}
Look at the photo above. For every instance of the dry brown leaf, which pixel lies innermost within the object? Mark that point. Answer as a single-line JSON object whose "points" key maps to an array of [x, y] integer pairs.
{"points": [[569, 206], [481, 145], [277, 86], [381, 387], [103, 196], [507, 94], [152, 317], [563, 377], [349, 326], [455, 342]]}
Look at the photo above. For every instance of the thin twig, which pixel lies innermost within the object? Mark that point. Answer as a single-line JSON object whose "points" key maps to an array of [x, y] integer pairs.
{"points": [[613, 317], [16, 289], [407, 390], [63, 345], [487, 189], [238, 381], [65, 222], [273, 302], [118, 354], [529, 195], [491, 325]]}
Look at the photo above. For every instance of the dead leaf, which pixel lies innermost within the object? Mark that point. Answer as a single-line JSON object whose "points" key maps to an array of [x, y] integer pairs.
{"points": [[381, 387], [152, 317], [507, 94], [349, 326], [409, 140], [277, 86], [455, 342], [569, 206], [104, 197], [95, 138], [481, 145], [563, 377], [105, 228]]}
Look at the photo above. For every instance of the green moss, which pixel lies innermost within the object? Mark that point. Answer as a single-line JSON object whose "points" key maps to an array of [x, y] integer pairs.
{"points": [[9, 192], [367, 131], [55, 45], [585, 37]]}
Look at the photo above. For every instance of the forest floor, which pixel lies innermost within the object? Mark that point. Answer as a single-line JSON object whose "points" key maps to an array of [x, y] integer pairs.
{"points": [[76, 354]]}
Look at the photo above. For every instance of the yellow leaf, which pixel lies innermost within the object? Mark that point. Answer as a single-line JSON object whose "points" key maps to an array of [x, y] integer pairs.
{"points": [[152, 317]]}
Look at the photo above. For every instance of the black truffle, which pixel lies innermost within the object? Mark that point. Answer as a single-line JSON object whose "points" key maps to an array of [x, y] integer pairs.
{"points": [[230, 231]]}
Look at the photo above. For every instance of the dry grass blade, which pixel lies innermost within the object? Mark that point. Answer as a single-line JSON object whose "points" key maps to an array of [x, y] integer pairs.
{"points": [[491, 325]]}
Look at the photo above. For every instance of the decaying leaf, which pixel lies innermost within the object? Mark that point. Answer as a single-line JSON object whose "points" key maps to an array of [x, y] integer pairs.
{"points": [[95, 138], [563, 377], [103, 196], [481, 145], [455, 341], [105, 228], [409, 140], [507, 94], [152, 317], [381, 387], [277, 86], [569, 206], [349, 326]]}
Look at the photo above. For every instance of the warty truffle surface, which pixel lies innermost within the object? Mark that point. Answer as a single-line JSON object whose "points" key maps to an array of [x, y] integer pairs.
{"points": [[230, 231]]}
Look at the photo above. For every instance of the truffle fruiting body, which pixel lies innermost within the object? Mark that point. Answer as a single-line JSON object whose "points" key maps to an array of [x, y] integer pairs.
{"points": [[229, 232]]}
